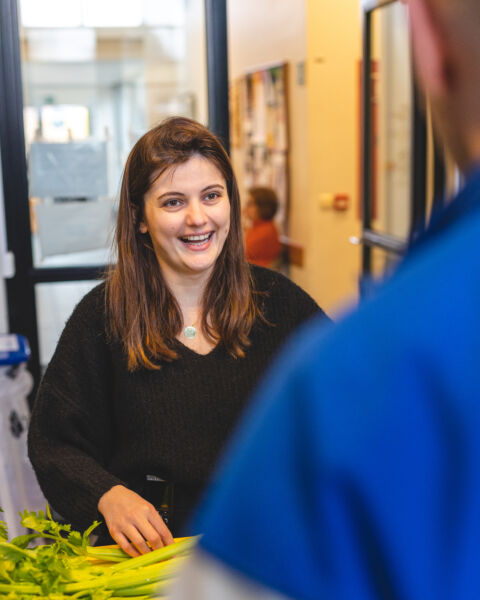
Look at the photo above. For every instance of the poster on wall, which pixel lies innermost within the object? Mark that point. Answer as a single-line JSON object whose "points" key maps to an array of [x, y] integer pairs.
{"points": [[260, 127]]}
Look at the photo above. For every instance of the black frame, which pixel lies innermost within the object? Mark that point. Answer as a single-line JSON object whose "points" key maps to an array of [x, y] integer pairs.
{"points": [[217, 69], [418, 195], [21, 287]]}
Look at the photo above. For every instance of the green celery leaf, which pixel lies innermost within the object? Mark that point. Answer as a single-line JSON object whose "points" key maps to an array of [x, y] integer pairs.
{"points": [[11, 552], [22, 541], [32, 520], [44, 523], [3, 528], [6, 567], [87, 533], [75, 538]]}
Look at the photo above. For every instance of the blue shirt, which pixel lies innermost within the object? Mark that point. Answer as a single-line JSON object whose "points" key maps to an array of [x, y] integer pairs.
{"points": [[356, 474]]}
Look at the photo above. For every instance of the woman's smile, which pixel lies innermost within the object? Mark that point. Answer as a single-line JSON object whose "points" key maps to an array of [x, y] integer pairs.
{"points": [[197, 242]]}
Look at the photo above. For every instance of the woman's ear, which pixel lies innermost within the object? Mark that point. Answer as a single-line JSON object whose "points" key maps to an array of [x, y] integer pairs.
{"points": [[142, 228], [430, 48]]}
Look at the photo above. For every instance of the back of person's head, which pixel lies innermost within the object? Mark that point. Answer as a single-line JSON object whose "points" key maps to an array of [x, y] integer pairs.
{"points": [[446, 44], [266, 201], [143, 312], [465, 12]]}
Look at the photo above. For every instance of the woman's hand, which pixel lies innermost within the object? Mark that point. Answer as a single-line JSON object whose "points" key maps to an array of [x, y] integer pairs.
{"points": [[132, 521]]}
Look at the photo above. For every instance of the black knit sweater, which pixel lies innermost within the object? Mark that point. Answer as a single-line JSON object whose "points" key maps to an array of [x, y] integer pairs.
{"points": [[95, 424]]}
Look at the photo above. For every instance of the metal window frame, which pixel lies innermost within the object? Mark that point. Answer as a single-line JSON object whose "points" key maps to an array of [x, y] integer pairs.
{"points": [[371, 238], [20, 290], [217, 69]]}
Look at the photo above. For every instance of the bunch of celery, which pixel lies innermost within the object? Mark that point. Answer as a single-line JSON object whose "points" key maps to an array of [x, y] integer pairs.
{"points": [[68, 568]]}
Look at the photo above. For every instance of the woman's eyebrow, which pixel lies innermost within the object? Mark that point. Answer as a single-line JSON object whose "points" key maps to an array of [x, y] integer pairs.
{"points": [[170, 193], [212, 186], [177, 193]]}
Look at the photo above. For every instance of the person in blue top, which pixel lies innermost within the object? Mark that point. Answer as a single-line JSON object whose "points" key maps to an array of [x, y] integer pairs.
{"points": [[356, 474]]}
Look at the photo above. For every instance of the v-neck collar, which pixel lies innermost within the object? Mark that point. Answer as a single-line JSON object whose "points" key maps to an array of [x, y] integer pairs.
{"points": [[186, 350]]}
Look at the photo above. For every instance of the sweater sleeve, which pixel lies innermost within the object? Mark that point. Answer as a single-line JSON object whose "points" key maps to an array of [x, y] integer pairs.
{"points": [[71, 425]]}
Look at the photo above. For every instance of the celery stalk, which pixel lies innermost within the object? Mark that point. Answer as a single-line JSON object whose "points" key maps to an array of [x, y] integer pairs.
{"points": [[147, 574], [111, 554], [156, 555], [20, 588]]}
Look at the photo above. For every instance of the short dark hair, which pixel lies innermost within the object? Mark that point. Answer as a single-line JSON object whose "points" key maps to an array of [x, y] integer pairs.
{"points": [[266, 201]]}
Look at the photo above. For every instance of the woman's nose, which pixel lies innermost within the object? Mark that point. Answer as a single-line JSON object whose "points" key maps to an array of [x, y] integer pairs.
{"points": [[196, 214]]}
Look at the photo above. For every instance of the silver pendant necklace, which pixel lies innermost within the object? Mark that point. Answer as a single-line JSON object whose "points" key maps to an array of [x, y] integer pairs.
{"points": [[190, 332]]}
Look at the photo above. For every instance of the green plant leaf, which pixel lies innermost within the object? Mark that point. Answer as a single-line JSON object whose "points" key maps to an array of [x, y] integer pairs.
{"points": [[6, 567], [14, 553], [22, 541], [3, 528], [87, 533]]}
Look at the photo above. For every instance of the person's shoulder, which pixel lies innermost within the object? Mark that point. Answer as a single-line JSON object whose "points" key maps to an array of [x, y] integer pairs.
{"points": [[276, 284], [427, 309], [94, 298], [278, 292], [444, 268], [266, 280], [91, 308], [86, 324]]}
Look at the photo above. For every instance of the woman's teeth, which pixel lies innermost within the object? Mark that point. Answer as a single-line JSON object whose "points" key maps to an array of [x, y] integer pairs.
{"points": [[196, 239]]}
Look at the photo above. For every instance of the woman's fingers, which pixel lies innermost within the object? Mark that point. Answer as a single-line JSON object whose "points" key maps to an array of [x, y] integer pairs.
{"points": [[162, 535], [137, 538], [149, 527], [125, 545], [133, 522]]}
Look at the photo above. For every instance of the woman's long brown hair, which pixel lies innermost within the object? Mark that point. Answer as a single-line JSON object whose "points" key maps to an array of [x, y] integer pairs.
{"points": [[142, 312]]}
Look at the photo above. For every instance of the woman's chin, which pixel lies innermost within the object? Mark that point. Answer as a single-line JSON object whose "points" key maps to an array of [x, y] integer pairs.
{"points": [[197, 267]]}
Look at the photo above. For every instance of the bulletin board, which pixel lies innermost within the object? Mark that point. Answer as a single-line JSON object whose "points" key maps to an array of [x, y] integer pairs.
{"points": [[259, 124]]}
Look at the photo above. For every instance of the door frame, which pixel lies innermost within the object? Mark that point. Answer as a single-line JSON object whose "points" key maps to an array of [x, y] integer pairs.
{"points": [[418, 163], [20, 288]]}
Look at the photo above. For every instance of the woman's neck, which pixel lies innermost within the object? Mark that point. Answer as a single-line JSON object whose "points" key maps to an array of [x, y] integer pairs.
{"points": [[188, 291]]}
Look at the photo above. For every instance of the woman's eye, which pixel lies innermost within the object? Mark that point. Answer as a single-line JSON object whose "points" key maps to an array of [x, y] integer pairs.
{"points": [[212, 196], [172, 203]]}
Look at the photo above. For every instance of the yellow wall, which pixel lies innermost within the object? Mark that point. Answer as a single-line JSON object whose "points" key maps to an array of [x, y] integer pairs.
{"points": [[334, 51], [323, 125]]}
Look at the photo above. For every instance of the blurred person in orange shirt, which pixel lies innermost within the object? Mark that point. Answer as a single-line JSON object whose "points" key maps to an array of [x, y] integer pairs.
{"points": [[262, 244]]}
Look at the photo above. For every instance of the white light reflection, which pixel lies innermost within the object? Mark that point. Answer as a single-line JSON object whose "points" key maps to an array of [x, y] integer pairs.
{"points": [[102, 13]]}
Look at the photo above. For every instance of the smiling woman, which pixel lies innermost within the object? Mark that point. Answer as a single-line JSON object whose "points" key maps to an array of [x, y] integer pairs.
{"points": [[179, 182], [156, 364], [187, 218]]}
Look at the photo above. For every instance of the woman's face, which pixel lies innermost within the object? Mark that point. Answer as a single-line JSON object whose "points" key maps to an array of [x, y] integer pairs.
{"points": [[187, 214]]}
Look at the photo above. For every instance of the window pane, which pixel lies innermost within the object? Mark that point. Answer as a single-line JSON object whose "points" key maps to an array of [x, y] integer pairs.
{"points": [[91, 89], [391, 120], [55, 303]]}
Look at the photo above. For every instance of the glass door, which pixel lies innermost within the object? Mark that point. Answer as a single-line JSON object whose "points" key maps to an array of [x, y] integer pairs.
{"points": [[87, 79], [403, 174]]}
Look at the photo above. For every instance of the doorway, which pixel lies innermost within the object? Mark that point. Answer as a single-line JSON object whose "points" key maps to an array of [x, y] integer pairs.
{"points": [[82, 82]]}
